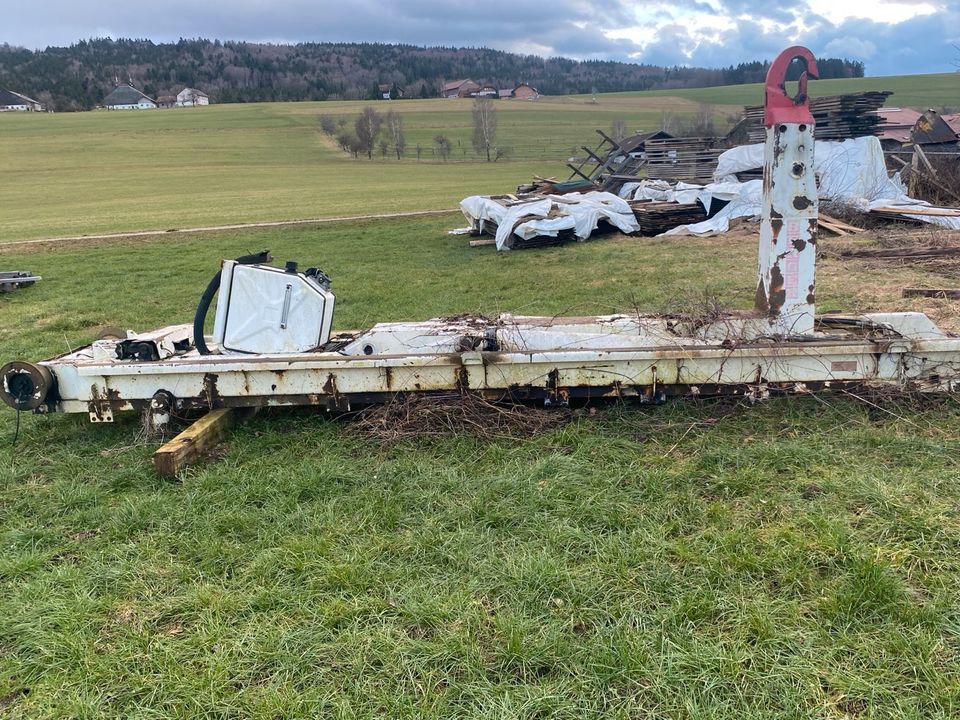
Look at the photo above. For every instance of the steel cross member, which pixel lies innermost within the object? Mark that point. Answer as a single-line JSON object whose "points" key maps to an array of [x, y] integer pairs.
{"points": [[788, 219]]}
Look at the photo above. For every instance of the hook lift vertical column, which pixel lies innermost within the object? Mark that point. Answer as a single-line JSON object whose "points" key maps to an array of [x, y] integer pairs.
{"points": [[788, 220]]}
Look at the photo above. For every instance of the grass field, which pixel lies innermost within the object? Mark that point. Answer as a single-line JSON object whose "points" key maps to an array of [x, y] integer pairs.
{"points": [[120, 171], [920, 91], [82, 173], [795, 559]]}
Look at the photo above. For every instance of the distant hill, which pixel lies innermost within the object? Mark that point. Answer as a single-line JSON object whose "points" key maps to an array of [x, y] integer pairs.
{"points": [[78, 77]]}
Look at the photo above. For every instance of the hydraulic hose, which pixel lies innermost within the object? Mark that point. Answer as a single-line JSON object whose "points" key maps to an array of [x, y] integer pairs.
{"points": [[200, 318]]}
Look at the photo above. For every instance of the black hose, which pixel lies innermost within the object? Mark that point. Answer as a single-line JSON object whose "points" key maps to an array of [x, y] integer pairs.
{"points": [[200, 318]]}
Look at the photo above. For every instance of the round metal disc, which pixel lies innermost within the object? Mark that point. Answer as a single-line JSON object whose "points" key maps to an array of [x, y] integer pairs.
{"points": [[23, 385]]}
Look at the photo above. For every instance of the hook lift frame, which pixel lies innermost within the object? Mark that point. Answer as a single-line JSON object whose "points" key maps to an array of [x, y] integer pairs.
{"points": [[275, 346]]}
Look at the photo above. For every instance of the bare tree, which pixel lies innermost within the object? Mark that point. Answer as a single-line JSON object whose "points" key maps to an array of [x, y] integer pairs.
{"points": [[328, 124], [443, 145], [395, 131], [384, 147], [368, 127], [484, 125], [349, 142]]}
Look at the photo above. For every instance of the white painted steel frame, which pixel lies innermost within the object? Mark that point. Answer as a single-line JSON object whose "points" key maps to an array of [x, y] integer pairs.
{"points": [[327, 378]]}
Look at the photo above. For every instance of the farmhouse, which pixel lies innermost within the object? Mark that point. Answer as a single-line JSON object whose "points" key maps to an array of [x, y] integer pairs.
{"points": [[127, 97], [459, 89], [11, 101], [191, 97]]}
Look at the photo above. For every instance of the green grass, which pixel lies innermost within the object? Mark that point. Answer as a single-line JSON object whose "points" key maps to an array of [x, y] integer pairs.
{"points": [[796, 559], [919, 91], [85, 173]]}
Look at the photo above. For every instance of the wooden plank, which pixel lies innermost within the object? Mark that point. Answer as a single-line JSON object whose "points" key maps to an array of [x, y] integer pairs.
{"points": [[949, 293], [577, 172], [839, 224], [919, 210], [192, 444], [483, 243]]}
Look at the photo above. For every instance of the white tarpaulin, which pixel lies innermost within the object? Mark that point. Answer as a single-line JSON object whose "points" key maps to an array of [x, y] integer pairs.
{"points": [[580, 212], [851, 171]]}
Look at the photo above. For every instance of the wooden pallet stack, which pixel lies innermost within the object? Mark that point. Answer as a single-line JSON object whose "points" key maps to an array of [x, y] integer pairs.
{"points": [[656, 217], [837, 117], [689, 159]]}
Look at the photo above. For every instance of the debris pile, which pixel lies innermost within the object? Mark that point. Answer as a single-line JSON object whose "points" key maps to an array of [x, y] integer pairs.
{"points": [[653, 183]]}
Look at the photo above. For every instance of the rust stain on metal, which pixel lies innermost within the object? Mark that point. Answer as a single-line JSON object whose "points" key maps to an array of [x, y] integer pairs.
{"points": [[811, 297], [802, 202], [461, 380], [778, 292], [210, 392]]}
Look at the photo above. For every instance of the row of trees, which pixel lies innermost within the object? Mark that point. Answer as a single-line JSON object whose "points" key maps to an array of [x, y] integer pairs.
{"points": [[373, 131], [79, 76]]}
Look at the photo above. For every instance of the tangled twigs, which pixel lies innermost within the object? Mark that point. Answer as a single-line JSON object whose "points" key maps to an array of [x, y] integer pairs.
{"points": [[415, 416]]}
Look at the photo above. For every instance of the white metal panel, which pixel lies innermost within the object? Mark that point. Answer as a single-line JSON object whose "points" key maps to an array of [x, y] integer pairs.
{"points": [[273, 311]]}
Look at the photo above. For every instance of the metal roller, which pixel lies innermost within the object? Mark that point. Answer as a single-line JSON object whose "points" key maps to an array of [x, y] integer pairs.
{"points": [[25, 386]]}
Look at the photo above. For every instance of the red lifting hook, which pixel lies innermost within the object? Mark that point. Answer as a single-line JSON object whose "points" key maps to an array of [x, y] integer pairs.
{"points": [[780, 107]]}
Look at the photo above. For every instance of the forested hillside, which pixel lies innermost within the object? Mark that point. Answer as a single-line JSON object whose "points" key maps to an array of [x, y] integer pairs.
{"points": [[79, 76]]}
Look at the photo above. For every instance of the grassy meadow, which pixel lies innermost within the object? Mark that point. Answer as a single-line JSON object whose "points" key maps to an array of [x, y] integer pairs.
{"points": [[791, 559], [96, 172]]}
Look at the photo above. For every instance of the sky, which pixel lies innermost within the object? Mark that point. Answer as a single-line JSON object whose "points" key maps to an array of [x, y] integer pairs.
{"points": [[891, 37]]}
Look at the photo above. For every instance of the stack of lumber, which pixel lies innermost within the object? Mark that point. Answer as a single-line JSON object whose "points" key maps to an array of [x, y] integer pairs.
{"points": [[657, 217], [688, 159], [837, 117], [836, 227]]}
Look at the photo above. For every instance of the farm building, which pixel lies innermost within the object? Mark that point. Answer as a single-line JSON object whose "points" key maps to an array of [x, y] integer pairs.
{"points": [[459, 88], [11, 102], [127, 97], [523, 91], [166, 101], [487, 90], [386, 91], [191, 97]]}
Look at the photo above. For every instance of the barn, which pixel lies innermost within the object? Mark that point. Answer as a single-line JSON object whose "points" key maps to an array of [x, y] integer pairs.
{"points": [[127, 97]]}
